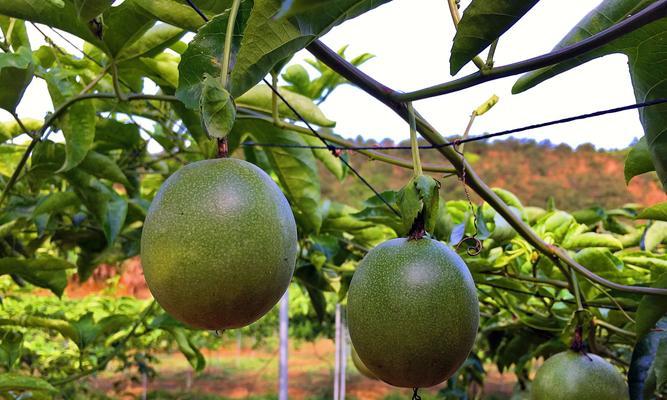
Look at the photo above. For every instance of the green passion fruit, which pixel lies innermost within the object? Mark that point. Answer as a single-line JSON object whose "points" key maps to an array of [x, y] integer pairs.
{"points": [[413, 312], [576, 376], [219, 244]]}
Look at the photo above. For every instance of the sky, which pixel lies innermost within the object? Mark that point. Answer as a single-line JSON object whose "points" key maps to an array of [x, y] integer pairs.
{"points": [[411, 41]]}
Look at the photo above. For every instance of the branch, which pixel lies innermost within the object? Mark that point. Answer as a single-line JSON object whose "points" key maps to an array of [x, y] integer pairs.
{"points": [[384, 94], [650, 14], [55, 115]]}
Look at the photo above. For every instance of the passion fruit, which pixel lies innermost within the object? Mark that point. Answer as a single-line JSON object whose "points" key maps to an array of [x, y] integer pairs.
{"points": [[219, 244], [412, 312], [573, 375]]}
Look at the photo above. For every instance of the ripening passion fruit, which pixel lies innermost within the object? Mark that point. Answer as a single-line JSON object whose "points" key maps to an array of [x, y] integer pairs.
{"points": [[412, 312], [573, 375], [219, 244]]}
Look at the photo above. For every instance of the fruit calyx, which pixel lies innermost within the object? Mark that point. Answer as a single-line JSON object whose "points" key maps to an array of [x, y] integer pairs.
{"points": [[418, 230]]}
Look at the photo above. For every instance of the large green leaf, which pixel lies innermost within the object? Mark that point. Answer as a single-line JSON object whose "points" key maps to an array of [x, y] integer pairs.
{"points": [[78, 127], [295, 168], [483, 22], [205, 53], [44, 272], [56, 202], [294, 7], [266, 40], [24, 383], [644, 50], [658, 212], [638, 161], [179, 13], [260, 98], [16, 72], [651, 309], [103, 166]]}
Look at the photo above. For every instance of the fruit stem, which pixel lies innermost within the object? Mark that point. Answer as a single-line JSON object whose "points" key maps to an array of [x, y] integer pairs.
{"points": [[578, 340], [577, 292], [414, 145], [223, 148], [227, 50], [274, 98]]}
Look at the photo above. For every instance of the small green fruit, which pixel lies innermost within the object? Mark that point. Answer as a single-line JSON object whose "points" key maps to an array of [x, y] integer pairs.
{"points": [[412, 312], [219, 244], [575, 376]]}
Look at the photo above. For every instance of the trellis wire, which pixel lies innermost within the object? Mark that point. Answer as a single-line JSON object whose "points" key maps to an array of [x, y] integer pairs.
{"points": [[486, 136]]}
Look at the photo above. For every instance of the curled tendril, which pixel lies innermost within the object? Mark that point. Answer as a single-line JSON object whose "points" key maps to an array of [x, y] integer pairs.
{"points": [[415, 394], [473, 249]]}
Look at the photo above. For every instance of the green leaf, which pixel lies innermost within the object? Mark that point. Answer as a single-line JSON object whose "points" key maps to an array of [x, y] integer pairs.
{"points": [[116, 212], [192, 121], [103, 166], [11, 347], [651, 309], [88, 331], [376, 211], [163, 69], [187, 347], [266, 40], [16, 72], [483, 22], [259, 98], [22, 383], [601, 261], [330, 161], [179, 13], [656, 212], [90, 9], [295, 168], [115, 135], [205, 53], [217, 108], [428, 193], [409, 206], [78, 127], [152, 42], [638, 161], [655, 234], [294, 7], [11, 129], [591, 239], [649, 83], [44, 272], [56, 202]]}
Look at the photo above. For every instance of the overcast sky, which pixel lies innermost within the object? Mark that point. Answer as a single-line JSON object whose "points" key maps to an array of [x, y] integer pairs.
{"points": [[412, 40]]}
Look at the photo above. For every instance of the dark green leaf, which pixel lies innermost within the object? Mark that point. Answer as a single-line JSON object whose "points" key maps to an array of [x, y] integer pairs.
{"points": [[638, 160], [205, 52], [656, 212], [44, 272], [188, 348], [11, 347], [409, 206], [16, 72], [104, 167], [78, 127], [428, 193], [217, 108], [294, 7], [651, 309], [266, 40], [648, 82], [483, 22]]}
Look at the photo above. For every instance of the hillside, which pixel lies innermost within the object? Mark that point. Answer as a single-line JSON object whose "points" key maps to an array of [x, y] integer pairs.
{"points": [[576, 178]]}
